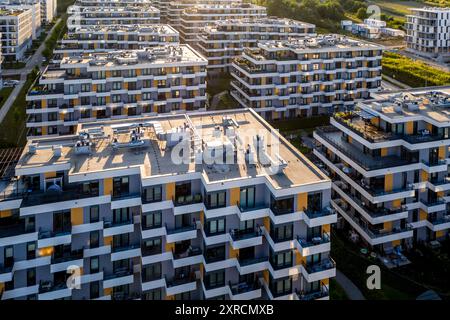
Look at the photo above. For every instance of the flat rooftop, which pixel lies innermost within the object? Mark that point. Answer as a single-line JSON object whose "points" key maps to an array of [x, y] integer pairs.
{"points": [[84, 10], [265, 21], [330, 41], [158, 136], [433, 104]]}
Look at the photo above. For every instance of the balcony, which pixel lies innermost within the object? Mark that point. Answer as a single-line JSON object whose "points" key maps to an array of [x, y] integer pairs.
{"points": [[245, 290], [126, 199], [320, 217], [187, 204], [6, 273], [62, 262], [16, 232], [49, 290], [54, 238], [181, 233], [250, 265], [180, 284], [320, 270], [36, 198], [118, 278], [245, 238], [120, 227], [320, 294], [190, 257], [313, 246], [125, 252]]}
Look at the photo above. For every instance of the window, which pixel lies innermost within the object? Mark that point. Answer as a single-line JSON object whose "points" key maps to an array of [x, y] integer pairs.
{"points": [[315, 201], [151, 272], [31, 277], [281, 233], [247, 198], [281, 260], [94, 239], [121, 215], [94, 288], [120, 186], [154, 294], [215, 279], [121, 240], [282, 206], [213, 254], [281, 287], [94, 215], [94, 265], [216, 226], [153, 194], [152, 246], [216, 200], [151, 220], [9, 256], [62, 222], [31, 250]]}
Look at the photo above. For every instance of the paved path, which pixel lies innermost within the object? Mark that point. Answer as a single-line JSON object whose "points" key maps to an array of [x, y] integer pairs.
{"points": [[349, 287], [395, 82], [35, 60]]}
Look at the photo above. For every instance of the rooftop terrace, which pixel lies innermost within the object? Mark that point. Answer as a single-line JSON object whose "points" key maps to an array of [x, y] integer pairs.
{"points": [[149, 143]]}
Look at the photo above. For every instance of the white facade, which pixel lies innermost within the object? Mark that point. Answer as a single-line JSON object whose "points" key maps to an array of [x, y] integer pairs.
{"points": [[428, 32]]}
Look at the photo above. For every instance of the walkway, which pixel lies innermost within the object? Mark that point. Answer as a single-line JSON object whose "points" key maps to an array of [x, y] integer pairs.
{"points": [[349, 287]]}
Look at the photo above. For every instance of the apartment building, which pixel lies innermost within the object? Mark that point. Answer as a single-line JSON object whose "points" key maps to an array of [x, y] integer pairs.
{"points": [[19, 25], [194, 19], [116, 84], [47, 7], [428, 32], [111, 200], [94, 38], [306, 77], [110, 15], [371, 29], [225, 40], [176, 7], [388, 160], [163, 7]]}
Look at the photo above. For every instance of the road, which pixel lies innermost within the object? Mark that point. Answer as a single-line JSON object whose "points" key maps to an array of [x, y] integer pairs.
{"points": [[35, 60]]}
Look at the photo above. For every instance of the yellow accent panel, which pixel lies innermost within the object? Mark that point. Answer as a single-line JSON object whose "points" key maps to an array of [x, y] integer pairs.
{"points": [[266, 276], [202, 217], [233, 253], [49, 175], [388, 225], [302, 201], [397, 203], [388, 182], [440, 194], [440, 234], [235, 194], [384, 152], [170, 247], [429, 127], [350, 139], [424, 175], [47, 251], [44, 131], [326, 228], [107, 291], [107, 186], [275, 115], [43, 103], [76, 216], [422, 215], [267, 224], [107, 241], [2, 287], [409, 127], [326, 281], [396, 243], [170, 191], [5, 213], [170, 297], [441, 153]]}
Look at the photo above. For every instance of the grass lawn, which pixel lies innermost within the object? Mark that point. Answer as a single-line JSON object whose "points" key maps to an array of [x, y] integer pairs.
{"points": [[396, 8], [354, 265], [4, 94], [336, 291], [13, 131]]}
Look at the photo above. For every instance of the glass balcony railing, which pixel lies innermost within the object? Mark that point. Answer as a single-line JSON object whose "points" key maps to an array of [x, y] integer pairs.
{"points": [[69, 256], [180, 280], [314, 241], [243, 287], [249, 261], [187, 200], [312, 214], [181, 229], [238, 235], [34, 198], [323, 265], [322, 292], [190, 252]]}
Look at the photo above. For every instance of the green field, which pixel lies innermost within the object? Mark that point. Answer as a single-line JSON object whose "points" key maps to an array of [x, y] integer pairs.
{"points": [[396, 8]]}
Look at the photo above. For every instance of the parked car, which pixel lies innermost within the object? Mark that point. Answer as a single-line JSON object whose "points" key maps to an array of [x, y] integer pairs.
{"points": [[10, 83]]}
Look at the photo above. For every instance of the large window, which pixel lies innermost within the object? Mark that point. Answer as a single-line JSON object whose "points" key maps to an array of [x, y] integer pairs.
{"points": [[121, 186], [152, 194], [216, 200], [94, 265], [151, 220], [281, 287], [281, 260], [281, 233], [62, 222], [151, 272], [282, 206], [121, 215], [314, 201], [216, 226], [151, 246], [154, 294], [121, 240], [215, 279], [94, 214], [247, 198], [94, 239], [213, 254]]}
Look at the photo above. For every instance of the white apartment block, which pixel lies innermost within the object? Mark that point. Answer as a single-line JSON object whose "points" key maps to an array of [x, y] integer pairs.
{"points": [[114, 85], [388, 160], [225, 40], [194, 19], [94, 38], [176, 7], [110, 200], [371, 29], [428, 32], [304, 77], [47, 7], [19, 25], [104, 15]]}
